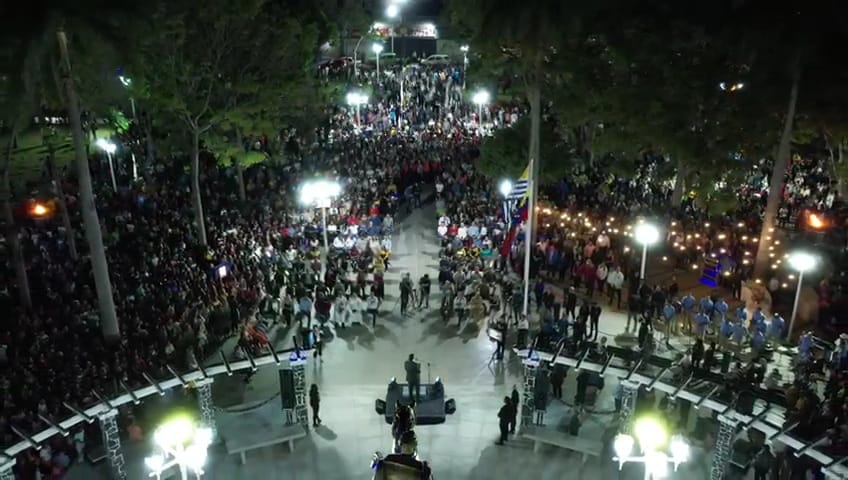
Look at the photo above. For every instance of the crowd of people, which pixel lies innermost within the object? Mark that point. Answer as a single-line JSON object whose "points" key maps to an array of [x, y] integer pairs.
{"points": [[178, 300]]}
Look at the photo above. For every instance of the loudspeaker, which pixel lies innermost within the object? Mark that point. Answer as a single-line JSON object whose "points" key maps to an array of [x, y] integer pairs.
{"points": [[287, 388]]}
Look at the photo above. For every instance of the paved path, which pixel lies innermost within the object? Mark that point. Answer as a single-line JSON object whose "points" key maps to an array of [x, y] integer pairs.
{"points": [[357, 366]]}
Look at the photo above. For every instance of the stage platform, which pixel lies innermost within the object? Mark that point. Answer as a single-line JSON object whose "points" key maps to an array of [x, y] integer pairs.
{"points": [[245, 428], [430, 408]]}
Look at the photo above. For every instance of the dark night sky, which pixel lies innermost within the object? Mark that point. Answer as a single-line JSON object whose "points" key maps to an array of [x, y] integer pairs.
{"points": [[423, 8]]}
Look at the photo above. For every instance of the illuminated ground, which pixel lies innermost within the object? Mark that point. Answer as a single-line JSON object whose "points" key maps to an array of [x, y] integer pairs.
{"points": [[357, 366]]}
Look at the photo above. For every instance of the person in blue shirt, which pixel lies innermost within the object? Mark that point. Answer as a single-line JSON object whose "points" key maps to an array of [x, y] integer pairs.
{"points": [[726, 329], [688, 303], [805, 346], [721, 309], [776, 327], [741, 315], [707, 306], [739, 332], [669, 312], [759, 322], [758, 341], [702, 320]]}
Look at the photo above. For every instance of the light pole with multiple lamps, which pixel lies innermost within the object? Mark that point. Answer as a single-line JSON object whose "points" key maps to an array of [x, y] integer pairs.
{"points": [[652, 437], [464, 49], [109, 147], [646, 234], [320, 193], [480, 98], [355, 99], [803, 262], [378, 49], [181, 445]]}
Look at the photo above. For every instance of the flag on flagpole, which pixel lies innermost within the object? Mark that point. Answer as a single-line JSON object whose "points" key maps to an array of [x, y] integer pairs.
{"points": [[519, 190], [519, 194]]}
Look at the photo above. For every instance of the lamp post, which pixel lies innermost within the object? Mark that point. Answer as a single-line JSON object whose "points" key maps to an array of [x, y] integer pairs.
{"points": [[505, 187], [464, 49], [651, 436], [378, 49], [127, 82], [646, 234], [480, 98], [182, 445], [355, 99], [109, 148], [392, 11], [803, 262], [320, 193]]}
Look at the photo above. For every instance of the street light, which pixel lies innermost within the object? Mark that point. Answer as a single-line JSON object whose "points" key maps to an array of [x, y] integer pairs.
{"points": [[505, 187], [109, 148], [392, 11], [803, 262], [355, 99], [646, 234], [480, 98], [378, 49], [183, 445], [464, 50], [652, 437], [320, 193]]}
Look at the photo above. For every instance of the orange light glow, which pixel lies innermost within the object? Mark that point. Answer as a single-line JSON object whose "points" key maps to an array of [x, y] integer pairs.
{"points": [[815, 221], [38, 209]]}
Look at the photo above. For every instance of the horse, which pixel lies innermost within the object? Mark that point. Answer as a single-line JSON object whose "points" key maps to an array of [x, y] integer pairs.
{"points": [[403, 422]]}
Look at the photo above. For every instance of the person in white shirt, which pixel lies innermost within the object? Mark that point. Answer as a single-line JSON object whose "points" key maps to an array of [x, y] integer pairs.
{"points": [[350, 242], [338, 243], [373, 304], [615, 281], [462, 232], [387, 244], [341, 312], [444, 221], [439, 186], [442, 230]]}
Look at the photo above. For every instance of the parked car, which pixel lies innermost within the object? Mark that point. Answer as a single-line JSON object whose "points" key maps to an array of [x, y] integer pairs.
{"points": [[438, 59]]}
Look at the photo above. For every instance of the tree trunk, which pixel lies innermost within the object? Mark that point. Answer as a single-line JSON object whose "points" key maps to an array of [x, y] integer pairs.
{"points": [[679, 184], [11, 233], [91, 223], [196, 199], [70, 236], [841, 189], [784, 152], [150, 156], [239, 169]]}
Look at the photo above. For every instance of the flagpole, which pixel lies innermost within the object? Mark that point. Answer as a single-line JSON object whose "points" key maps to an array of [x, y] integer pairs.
{"points": [[528, 234]]}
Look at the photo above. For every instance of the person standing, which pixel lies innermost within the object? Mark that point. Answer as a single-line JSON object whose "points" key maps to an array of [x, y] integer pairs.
{"points": [[615, 281], [516, 400], [317, 344], [557, 379], [373, 305], [315, 403], [634, 309], [594, 318], [505, 415], [424, 286], [405, 293], [571, 303], [413, 376]]}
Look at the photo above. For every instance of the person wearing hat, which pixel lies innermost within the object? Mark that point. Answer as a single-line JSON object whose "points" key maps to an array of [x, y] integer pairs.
{"points": [[397, 464]]}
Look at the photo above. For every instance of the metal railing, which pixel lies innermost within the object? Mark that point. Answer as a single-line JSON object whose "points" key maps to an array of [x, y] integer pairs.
{"points": [[768, 419], [105, 405]]}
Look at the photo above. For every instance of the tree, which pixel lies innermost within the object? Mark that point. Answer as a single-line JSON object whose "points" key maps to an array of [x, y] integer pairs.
{"points": [[33, 29], [276, 88], [787, 42], [503, 155]]}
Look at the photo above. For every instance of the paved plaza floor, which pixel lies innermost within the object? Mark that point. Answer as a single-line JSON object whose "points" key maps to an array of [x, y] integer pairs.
{"points": [[357, 365]]}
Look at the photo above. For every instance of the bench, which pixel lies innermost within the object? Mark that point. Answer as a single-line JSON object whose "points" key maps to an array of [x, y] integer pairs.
{"points": [[541, 435], [258, 439]]}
